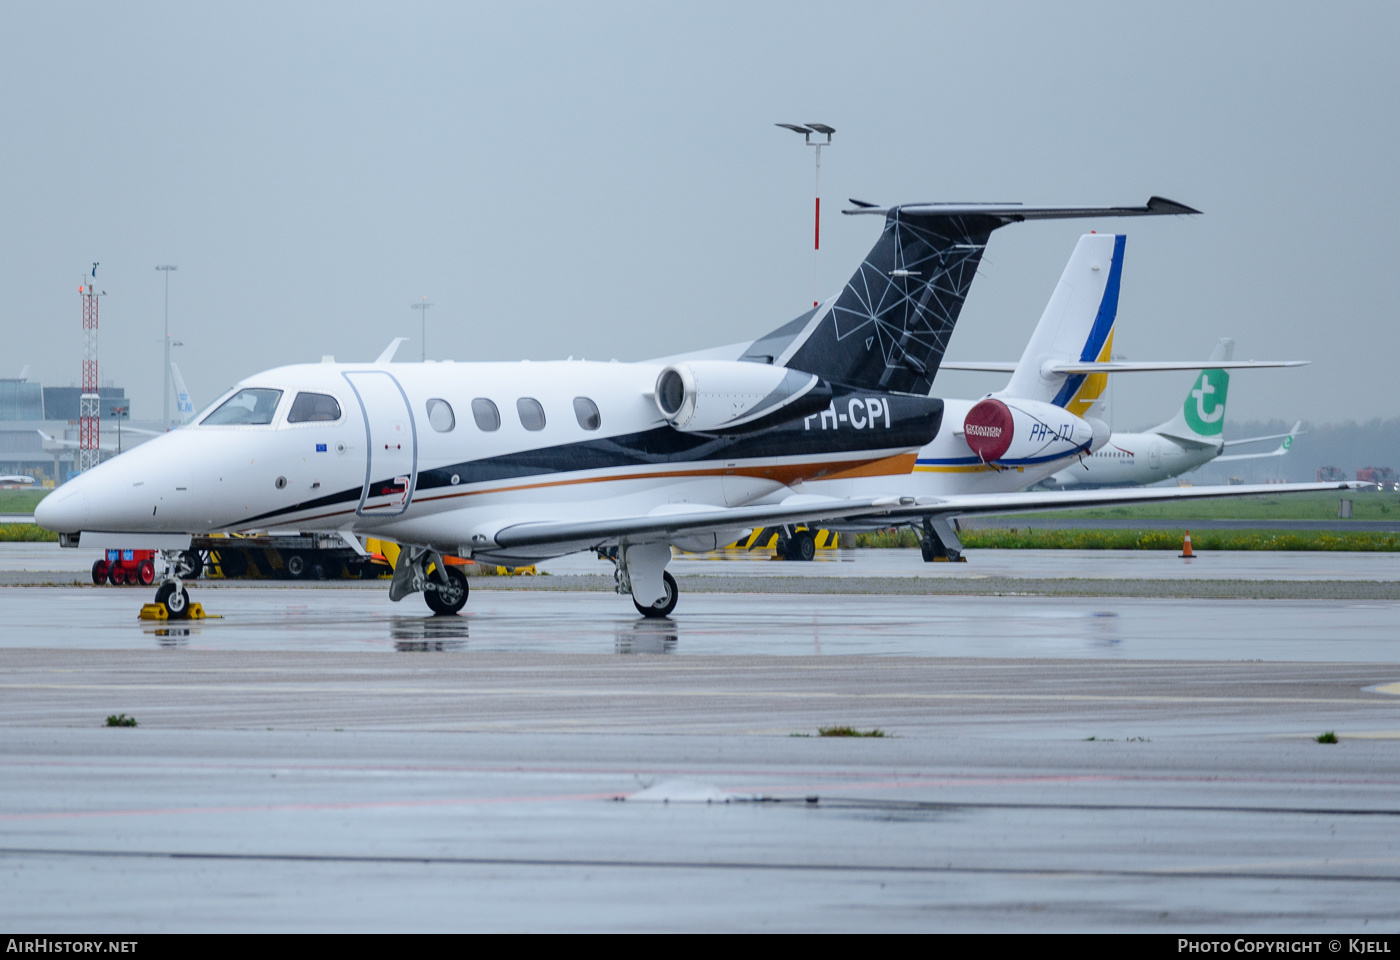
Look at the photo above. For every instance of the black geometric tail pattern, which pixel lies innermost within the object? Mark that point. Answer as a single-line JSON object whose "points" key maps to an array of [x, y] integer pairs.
{"points": [[890, 325]]}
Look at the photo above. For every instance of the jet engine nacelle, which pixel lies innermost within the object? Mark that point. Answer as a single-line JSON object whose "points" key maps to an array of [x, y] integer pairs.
{"points": [[720, 396], [1010, 431]]}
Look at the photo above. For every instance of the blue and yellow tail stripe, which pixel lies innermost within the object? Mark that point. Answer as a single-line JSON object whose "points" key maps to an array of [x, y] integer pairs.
{"points": [[1081, 390]]}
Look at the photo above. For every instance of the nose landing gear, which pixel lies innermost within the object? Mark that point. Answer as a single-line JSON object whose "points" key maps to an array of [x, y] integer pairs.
{"points": [[172, 599]]}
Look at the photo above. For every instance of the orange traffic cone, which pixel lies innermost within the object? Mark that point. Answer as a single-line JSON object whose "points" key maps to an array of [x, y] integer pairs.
{"points": [[1186, 546]]}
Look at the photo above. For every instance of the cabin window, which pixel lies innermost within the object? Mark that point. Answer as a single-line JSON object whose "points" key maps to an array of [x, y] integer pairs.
{"points": [[313, 406], [531, 413], [251, 406], [587, 412], [440, 416], [486, 415]]}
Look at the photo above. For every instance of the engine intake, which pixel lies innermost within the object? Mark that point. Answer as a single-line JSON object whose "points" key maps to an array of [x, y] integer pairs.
{"points": [[721, 396]]}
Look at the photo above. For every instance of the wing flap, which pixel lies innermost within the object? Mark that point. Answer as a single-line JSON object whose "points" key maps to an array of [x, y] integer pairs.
{"points": [[792, 510]]}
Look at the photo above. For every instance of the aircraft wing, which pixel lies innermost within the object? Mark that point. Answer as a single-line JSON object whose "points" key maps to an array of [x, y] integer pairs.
{"points": [[811, 509], [1034, 501], [1121, 366], [1297, 429], [694, 519]]}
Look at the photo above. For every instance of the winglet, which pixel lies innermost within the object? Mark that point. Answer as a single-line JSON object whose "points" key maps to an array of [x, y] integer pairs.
{"points": [[388, 355]]}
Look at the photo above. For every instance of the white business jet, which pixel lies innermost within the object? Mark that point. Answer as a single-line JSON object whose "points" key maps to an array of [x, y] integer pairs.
{"points": [[1040, 422], [517, 462]]}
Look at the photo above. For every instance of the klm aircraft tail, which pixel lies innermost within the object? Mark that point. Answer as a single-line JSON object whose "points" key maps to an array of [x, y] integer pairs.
{"points": [[184, 407], [890, 324], [1201, 418], [1077, 325]]}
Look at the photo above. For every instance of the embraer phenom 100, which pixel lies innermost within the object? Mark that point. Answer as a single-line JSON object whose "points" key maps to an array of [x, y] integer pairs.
{"points": [[518, 462]]}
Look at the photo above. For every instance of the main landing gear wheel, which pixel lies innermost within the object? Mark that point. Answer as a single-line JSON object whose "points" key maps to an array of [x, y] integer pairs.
{"points": [[664, 606], [175, 598], [802, 546], [449, 597]]}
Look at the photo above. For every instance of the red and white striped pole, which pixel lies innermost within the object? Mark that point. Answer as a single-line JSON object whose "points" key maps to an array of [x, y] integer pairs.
{"points": [[820, 129], [817, 230]]}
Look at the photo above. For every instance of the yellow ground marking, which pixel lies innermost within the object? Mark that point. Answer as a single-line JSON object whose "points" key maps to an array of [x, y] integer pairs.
{"points": [[1392, 688]]}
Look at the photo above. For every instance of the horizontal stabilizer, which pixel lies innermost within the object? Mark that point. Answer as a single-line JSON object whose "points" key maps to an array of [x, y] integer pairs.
{"points": [[1014, 212]]}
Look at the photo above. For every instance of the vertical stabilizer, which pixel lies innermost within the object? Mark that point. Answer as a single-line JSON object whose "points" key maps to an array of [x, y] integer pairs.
{"points": [[1077, 325], [184, 406], [1202, 415], [888, 327]]}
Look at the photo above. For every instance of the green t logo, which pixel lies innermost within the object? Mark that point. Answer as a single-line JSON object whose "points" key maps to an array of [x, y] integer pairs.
{"points": [[1205, 406]]}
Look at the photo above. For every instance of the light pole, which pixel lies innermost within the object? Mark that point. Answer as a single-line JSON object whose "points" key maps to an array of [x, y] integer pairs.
{"points": [[422, 308], [820, 129], [165, 378]]}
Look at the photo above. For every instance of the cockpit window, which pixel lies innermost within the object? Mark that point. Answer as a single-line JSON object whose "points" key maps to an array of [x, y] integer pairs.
{"points": [[313, 406], [253, 405]]}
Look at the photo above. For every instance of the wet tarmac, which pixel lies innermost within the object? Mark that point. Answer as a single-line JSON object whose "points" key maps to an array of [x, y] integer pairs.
{"points": [[1072, 564], [363, 791], [358, 618], [321, 759]]}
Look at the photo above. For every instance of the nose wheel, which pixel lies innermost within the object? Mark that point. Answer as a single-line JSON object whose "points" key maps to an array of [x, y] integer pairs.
{"points": [[175, 598]]}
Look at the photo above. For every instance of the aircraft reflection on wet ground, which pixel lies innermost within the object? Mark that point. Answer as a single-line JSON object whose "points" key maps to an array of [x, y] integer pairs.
{"points": [[731, 624]]}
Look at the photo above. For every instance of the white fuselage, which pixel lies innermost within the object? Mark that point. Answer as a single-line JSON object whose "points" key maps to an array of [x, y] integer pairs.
{"points": [[411, 456], [382, 467], [947, 466], [1133, 459]]}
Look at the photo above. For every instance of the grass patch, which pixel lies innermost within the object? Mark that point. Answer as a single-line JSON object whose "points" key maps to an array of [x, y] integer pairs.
{"points": [[1328, 737], [848, 732], [1367, 505], [21, 501], [1028, 539], [26, 533], [121, 720]]}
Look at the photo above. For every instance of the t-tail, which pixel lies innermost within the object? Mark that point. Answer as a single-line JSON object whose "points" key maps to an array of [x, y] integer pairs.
{"points": [[889, 326], [1201, 418], [184, 406], [1077, 325]]}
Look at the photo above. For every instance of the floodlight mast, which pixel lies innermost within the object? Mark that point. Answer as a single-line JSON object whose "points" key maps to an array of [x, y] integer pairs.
{"points": [[165, 379], [422, 307], [820, 129]]}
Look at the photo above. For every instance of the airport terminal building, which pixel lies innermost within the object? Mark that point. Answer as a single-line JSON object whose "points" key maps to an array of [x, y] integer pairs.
{"points": [[28, 410]]}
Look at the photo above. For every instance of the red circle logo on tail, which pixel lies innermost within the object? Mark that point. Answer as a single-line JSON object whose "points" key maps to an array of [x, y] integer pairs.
{"points": [[988, 429]]}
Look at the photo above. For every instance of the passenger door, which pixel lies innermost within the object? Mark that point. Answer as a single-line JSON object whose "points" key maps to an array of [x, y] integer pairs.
{"points": [[391, 443]]}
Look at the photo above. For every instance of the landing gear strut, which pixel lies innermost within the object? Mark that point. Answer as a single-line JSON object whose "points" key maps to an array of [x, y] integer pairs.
{"points": [[800, 545], [940, 543], [641, 571], [444, 589], [171, 594]]}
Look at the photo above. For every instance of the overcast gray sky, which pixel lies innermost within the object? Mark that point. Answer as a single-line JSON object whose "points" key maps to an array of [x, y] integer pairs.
{"points": [[605, 180]]}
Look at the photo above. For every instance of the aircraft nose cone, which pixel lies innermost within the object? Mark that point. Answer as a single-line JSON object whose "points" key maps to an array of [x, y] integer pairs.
{"points": [[64, 510]]}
